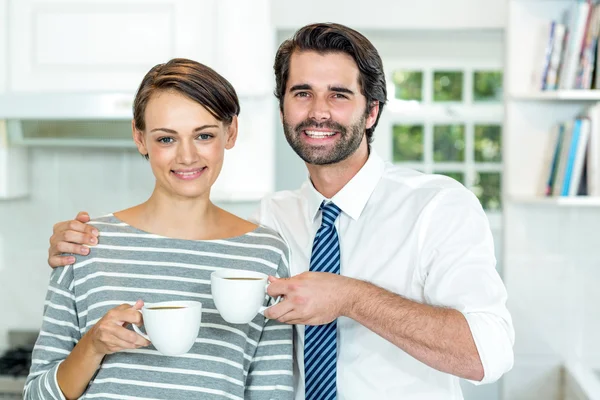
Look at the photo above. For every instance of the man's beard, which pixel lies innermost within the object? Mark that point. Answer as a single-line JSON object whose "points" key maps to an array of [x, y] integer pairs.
{"points": [[348, 142]]}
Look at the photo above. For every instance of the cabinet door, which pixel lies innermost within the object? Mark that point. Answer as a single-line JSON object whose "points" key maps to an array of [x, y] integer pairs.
{"points": [[93, 45], [249, 169], [3, 44], [246, 43]]}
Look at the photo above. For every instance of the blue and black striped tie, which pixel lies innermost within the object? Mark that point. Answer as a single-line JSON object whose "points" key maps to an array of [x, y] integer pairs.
{"points": [[320, 342]]}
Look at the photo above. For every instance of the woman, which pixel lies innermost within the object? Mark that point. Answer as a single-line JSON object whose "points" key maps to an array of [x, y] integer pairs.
{"points": [[185, 116]]}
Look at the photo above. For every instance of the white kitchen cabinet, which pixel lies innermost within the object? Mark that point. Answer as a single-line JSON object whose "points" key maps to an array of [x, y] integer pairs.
{"points": [[3, 44], [14, 167], [246, 43], [93, 45], [249, 169]]}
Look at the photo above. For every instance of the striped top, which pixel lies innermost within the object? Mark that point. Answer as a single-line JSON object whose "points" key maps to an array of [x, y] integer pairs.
{"points": [[228, 361]]}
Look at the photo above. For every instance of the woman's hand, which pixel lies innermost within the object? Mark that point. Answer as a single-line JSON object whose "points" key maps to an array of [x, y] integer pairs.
{"points": [[69, 237], [106, 337], [109, 335]]}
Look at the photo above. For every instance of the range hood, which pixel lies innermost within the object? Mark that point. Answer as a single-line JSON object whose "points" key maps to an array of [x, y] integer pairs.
{"points": [[47, 119], [103, 120]]}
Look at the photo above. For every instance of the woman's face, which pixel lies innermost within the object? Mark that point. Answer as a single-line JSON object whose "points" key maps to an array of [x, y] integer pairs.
{"points": [[185, 144]]}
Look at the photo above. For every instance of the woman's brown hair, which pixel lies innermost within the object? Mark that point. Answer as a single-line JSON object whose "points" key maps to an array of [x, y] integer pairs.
{"points": [[196, 81]]}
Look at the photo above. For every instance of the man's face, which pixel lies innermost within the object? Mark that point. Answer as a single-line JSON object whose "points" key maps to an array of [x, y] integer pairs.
{"points": [[323, 115]]}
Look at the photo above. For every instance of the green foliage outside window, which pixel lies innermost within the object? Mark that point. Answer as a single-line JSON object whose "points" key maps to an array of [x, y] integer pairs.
{"points": [[487, 188], [487, 86], [447, 86], [408, 143], [408, 85], [488, 143], [448, 143]]}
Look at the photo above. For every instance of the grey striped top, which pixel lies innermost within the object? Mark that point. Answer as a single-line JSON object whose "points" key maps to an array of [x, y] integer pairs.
{"points": [[233, 361]]}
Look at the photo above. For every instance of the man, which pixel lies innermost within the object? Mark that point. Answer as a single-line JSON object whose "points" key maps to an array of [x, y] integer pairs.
{"points": [[394, 291]]}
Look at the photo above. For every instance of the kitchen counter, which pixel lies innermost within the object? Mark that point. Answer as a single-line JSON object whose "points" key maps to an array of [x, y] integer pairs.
{"points": [[11, 388]]}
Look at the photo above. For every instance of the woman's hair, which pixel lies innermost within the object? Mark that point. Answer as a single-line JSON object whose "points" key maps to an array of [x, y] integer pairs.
{"points": [[336, 38], [196, 81]]}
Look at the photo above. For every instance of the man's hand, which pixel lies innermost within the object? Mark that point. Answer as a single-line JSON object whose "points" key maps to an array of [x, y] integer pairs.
{"points": [[311, 298], [68, 237]]}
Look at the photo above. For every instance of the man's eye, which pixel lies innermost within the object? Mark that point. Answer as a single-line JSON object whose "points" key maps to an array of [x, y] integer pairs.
{"points": [[302, 94], [340, 96], [165, 140]]}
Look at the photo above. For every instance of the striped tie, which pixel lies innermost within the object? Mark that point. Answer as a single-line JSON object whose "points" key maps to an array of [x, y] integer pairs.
{"points": [[320, 347]]}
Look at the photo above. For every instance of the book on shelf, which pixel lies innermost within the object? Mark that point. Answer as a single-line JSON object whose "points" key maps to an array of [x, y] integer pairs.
{"points": [[569, 53], [574, 162]]}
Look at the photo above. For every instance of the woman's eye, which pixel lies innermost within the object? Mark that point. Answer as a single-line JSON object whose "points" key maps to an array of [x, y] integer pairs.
{"points": [[204, 136], [165, 140]]}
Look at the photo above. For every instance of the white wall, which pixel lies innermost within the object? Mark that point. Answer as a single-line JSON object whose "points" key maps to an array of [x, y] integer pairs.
{"points": [[392, 14]]}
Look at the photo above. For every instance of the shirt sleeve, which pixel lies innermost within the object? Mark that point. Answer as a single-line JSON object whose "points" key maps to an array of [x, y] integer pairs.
{"points": [[459, 270], [58, 336], [270, 371]]}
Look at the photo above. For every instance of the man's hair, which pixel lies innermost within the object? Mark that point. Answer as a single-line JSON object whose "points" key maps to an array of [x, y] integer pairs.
{"points": [[327, 38], [194, 80]]}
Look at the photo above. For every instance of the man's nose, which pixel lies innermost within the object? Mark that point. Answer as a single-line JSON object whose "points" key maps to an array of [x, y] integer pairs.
{"points": [[320, 110]]}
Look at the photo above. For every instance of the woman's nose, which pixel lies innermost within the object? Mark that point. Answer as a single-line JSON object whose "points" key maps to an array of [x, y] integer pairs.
{"points": [[187, 153]]}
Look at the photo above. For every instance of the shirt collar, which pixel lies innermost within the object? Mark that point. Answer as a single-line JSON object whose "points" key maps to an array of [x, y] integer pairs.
{"points": [[353, 197]]}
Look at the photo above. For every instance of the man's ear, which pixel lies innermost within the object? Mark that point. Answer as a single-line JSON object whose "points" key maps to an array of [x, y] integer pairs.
{"points": [[372, 115], [232, 132], [139, 139]]}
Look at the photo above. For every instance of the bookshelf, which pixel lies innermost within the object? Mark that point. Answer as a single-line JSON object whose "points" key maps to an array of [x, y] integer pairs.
{"points": [[550, 247], [577, 201], [559, 95]]}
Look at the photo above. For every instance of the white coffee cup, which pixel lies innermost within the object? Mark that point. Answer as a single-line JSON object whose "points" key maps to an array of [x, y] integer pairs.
{"points": [[171, 326], [238, 294]]}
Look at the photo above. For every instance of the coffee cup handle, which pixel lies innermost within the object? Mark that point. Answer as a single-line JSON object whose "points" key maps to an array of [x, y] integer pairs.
{"points": [[262, 309], [137, 330]]}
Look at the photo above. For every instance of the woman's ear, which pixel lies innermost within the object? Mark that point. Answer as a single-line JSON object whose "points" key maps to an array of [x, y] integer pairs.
{"points": [[139, 139], [232, 132]]}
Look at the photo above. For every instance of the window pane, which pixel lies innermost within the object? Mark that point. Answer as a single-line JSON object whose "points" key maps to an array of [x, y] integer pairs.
{"points": [[488, 143], [408, 143], [408, 84], [447, 86], [448, 143], [487, 189], [459, 176], [487, 86]]}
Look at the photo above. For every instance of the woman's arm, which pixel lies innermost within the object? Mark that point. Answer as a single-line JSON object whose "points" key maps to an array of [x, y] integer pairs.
{"points": [[58, 336], [63, 362], [107, 336]]}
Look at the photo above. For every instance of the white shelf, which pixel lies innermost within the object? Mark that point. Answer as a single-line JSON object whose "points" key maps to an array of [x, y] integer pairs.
{"points": [[574, 201], [560, 95]]}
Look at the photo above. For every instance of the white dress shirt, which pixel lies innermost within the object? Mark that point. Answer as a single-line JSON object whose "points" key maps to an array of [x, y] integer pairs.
{"points": [[424, 237]]}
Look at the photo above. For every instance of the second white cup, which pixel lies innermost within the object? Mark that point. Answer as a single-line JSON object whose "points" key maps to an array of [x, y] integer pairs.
{"points": [[172, 326], [238, 294]]}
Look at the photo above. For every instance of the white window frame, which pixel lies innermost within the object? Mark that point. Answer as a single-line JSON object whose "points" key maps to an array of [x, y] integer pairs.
{"points": [[429, 113]]}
